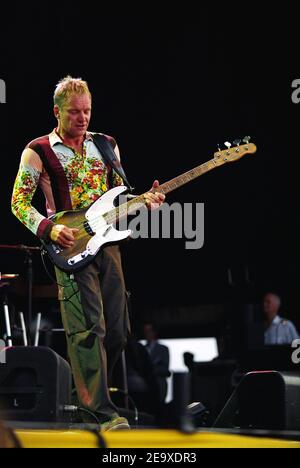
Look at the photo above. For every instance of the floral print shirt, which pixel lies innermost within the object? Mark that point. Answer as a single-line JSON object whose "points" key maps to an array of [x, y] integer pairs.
{"points": [[86, 175]]}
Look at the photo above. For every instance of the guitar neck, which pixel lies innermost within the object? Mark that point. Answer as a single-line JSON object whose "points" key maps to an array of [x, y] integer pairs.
{"points": [[188, 176], [136, 203], [220, 158]]}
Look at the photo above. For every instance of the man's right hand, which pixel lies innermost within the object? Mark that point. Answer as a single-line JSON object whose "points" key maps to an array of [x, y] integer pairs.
{"points": [[62, 235]]}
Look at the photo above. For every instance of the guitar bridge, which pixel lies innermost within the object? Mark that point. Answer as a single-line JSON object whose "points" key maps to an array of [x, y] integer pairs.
{"points": [[77, 258]]}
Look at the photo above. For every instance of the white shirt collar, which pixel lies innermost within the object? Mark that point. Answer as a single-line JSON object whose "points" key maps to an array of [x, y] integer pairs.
{"points": [[276, 320], [55, 139]]}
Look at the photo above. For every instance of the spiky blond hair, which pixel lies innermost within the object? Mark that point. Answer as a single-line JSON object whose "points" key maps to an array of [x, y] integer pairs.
{"points": [[68, 86]]}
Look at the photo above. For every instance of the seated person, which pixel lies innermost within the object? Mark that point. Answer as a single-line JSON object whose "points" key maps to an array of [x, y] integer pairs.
{"points": [[278, 330]]}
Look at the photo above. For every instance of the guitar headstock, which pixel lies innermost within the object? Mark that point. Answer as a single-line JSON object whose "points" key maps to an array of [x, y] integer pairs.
{"points": [[233, 153]]}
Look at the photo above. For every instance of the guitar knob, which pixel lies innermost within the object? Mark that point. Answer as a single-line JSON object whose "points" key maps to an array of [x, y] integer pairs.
{"points": [[228, 144], [237, 142], [247, 140]]}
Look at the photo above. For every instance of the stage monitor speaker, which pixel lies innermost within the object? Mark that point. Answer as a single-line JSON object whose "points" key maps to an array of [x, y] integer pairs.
{"points": [[35, 384], [263, 400]]}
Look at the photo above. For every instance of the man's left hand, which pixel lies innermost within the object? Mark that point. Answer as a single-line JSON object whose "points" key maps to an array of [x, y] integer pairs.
{"points": [[153, 198]]}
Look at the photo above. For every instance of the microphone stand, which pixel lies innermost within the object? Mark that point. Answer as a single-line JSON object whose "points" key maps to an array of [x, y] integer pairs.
{"points": [[28, 262]]}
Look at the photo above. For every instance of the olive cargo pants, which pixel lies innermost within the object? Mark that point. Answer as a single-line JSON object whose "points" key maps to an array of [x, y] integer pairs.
{"points": [[94, 312]]}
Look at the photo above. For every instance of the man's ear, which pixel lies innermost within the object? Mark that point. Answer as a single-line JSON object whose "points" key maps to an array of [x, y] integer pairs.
{"points": [[56, 111]]}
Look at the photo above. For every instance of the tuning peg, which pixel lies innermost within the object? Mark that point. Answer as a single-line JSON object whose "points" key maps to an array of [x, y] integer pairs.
{"points": [[237, 142], [219, 147], [228, 144], [247, 139]]}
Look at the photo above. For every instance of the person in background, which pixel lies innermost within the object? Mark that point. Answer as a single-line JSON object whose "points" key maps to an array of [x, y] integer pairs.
{"points": [[160, 358], [141, 379], [278, 330]]}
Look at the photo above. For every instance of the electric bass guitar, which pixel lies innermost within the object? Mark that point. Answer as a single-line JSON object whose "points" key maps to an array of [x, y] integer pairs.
{"points": [[97, 223]]}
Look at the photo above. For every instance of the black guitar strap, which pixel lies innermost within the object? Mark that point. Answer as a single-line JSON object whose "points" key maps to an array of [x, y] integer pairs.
{"points": [[108, 154]]}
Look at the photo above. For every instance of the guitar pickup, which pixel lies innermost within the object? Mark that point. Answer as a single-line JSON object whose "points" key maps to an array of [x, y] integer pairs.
{"points": [[107, 231], [88, 228]]}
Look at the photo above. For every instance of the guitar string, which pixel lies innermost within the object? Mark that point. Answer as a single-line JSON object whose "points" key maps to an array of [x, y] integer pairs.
{"points": [[139, 199], [183, 179], [115, 214], [93, 222]]}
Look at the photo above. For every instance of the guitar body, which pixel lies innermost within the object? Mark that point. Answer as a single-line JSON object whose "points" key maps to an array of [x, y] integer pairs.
{"points": [[94, 233]]}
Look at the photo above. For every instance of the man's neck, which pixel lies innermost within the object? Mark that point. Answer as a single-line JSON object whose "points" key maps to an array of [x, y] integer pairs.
{"points": [[73, 142], [151, 342], [270, 320]]}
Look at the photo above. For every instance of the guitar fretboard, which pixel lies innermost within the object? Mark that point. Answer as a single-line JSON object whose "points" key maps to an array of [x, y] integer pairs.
{"points": [[131, 206]]}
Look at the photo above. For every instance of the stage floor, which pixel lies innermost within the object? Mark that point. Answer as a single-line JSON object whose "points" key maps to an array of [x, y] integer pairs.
{"points": [[154, 438]]}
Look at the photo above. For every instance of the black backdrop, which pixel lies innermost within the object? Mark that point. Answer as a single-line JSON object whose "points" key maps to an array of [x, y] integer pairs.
{"points": [[170, 83]]}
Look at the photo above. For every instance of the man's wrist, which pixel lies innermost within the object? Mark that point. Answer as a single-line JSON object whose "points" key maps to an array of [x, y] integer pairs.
{"points": [[46, 236]]}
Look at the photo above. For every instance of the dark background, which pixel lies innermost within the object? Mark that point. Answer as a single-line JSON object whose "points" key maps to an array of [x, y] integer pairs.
{"points": [[170, 83]]}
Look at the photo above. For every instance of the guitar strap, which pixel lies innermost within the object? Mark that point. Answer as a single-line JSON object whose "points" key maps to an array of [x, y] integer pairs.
{"points": [[108, 154]]}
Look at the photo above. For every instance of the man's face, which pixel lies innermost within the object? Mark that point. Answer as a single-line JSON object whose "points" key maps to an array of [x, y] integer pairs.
{"points": [[149, 332], [74, 117], [270, 306]]}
